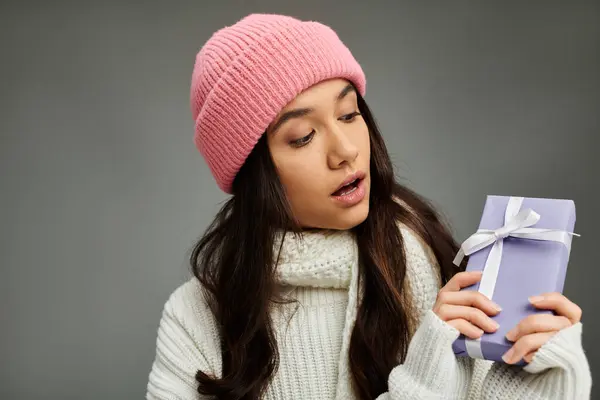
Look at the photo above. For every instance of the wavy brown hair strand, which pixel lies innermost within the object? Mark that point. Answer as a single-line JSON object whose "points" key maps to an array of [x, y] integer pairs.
{"points": [[234, 262], [382, 329]]}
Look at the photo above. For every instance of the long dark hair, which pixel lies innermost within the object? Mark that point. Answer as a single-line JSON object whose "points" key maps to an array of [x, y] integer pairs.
{"points": [[236, 253]]}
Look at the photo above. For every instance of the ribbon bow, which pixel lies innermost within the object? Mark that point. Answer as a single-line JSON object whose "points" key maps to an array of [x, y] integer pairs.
{"points": [[516, 224]]}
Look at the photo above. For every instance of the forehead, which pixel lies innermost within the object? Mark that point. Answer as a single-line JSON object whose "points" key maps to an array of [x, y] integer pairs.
{"points": [[324, 93]]}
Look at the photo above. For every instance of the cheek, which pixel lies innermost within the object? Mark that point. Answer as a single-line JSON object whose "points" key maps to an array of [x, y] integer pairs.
{"points": [[300, 176], [303, 175]]}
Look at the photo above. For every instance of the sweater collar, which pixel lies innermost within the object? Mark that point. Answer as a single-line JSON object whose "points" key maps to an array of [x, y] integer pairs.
{"points": [[324, 259]]}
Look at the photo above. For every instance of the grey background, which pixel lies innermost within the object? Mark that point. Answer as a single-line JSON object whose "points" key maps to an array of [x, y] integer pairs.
{"points": [[103, 192]]}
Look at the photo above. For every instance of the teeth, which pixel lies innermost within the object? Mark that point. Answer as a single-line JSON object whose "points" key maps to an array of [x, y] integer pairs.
{"points": [[349, 191], [350, 188]]}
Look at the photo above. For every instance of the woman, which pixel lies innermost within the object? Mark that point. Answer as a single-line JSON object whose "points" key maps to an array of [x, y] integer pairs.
{"points": [[321, 277]]}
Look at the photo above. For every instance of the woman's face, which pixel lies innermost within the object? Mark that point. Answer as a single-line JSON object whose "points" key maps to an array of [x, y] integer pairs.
{"points": [[320, 145]]}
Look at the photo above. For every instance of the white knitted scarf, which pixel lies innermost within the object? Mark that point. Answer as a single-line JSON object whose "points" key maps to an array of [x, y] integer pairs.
{"points": [[325, 259]]}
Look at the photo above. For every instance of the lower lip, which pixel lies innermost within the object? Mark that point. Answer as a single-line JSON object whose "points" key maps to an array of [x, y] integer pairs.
{"points": [[353, 198]]}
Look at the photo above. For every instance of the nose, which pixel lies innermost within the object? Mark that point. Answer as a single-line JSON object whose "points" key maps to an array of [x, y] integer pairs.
{"points": [[342, 151]]}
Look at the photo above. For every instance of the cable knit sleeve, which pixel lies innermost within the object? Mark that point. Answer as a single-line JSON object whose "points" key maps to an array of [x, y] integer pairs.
{"points": [[183, 346], [559, 370], [431, 370]]}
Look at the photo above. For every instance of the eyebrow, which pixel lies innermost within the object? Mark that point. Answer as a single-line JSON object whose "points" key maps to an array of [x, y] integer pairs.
{"points": [[301, 112]]}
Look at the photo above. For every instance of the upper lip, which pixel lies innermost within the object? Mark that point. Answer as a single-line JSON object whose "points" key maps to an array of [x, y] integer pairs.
{"points": [[351, 178]]}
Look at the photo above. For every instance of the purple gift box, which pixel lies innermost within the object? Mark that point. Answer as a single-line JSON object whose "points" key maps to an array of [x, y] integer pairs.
{"points": [[527, 267]]}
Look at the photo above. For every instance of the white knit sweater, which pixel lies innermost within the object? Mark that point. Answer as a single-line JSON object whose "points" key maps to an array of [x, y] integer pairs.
{"points": [[321, 273]]}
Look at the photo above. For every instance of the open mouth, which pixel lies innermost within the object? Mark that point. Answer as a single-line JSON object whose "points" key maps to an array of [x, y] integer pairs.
{"points": [[347, 188]]}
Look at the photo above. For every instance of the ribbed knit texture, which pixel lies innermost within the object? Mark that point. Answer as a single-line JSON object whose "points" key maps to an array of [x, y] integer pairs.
{"points": [[246, 73], [313, 338]]}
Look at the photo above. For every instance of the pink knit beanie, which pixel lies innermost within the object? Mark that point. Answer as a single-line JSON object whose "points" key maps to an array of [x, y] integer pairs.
{"points": [[246, 73]]}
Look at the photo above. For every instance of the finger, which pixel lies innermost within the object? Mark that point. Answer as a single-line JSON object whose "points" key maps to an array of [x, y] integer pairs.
{"points": [[462, 280], [470, 298], [537, 323], [475, 316], [466, 328], [525, 345], [559, 303], [529, 357]]}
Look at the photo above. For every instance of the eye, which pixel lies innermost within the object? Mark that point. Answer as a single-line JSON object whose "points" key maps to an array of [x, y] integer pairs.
{"points": [[349, 117], [303, 141]]}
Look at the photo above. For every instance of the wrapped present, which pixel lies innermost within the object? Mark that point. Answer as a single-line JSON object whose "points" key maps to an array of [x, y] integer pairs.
{"points": [[522, 246]]}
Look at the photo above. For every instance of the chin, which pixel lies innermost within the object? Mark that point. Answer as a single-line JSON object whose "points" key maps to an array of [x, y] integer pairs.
{"points": [[350, 217]]}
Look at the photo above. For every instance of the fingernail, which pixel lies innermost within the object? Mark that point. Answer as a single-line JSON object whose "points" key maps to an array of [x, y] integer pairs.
{"points": [[507, 357], [536, 299], [511, 335], [496, 307], [496, 325]]}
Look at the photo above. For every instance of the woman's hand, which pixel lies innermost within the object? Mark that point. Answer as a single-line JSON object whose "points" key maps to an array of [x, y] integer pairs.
{"points": [[467, 311], [535, 330]]}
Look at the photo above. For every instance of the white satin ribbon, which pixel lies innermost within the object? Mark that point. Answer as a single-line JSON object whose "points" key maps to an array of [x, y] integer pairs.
{"points": [[516, 224]]}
